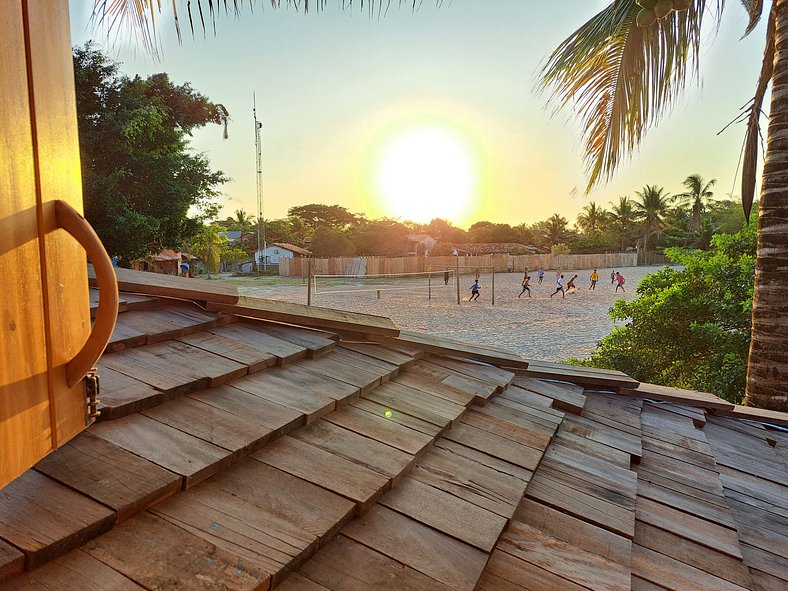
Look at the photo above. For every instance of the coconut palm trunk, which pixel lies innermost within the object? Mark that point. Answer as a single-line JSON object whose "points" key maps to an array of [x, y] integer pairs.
{"points": [[767, 371]]}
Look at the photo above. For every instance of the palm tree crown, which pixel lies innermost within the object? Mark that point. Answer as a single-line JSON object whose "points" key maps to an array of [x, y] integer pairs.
{"points": [[653, 205], [592, 218], [697, 195]]}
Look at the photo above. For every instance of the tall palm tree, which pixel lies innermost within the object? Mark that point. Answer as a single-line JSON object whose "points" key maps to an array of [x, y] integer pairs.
{"points": [[697, 195], [592, 218], [624, 217], [652, 207], [620, 72]]}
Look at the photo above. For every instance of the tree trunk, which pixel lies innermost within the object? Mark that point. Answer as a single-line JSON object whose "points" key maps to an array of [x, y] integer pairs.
{"points": [[767, 371]]}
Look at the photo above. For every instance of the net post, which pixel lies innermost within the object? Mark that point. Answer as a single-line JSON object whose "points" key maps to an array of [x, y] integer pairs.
{"points": [[493, 286], [457, 277], [429, 285], [309, 281]]}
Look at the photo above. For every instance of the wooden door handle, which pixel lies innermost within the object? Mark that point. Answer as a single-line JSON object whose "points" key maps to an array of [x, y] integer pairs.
{"points": [[70, 220]]}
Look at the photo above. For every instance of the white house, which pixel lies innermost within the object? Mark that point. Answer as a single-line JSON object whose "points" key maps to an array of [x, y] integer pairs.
{"points": [[276, 250]]}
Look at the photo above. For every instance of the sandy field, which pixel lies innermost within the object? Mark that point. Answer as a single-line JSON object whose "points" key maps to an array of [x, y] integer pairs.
{"points": [[542, 328]]}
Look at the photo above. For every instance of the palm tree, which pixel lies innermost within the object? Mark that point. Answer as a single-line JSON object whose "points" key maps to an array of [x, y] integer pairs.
{"points": [[624, 217], [651, 208], [592, 218], [622, 69], [554, 230], [697, 195]]}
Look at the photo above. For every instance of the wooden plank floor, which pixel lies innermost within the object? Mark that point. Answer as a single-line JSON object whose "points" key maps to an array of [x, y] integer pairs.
{"points": [[122, 395]]}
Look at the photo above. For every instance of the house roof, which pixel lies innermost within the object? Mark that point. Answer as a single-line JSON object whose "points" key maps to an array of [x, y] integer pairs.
{"points": [[313, 449], [292, 248]]}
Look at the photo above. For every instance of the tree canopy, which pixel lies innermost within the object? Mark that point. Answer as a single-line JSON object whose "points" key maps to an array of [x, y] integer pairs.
{"points": [[139, 178]]}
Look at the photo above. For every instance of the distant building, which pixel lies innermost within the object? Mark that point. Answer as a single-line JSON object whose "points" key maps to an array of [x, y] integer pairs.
{"points": [[277, 250], [167, 262], [419, 244], [234, 237]]}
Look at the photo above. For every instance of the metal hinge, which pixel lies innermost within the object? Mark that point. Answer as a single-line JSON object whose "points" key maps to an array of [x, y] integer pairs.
{"points": [[92, 388]]}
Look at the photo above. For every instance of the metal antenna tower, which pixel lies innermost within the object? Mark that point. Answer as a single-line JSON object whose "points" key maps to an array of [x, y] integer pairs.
{"points": [[259, 162]]}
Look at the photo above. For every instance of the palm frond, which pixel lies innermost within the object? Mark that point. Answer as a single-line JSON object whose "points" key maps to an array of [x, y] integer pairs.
{"points": [[620, 78], [754, 10], [139, 16]]}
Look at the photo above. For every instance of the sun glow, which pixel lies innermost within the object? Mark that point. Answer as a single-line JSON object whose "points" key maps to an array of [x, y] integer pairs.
{"points": [[426, 173]]}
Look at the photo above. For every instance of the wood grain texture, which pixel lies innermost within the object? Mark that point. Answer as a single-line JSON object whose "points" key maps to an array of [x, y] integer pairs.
{"points": [[122, 395], [235, 349], [178, 452], [500, 378], [423, 549], [157, 554], [392, 431], [110, 475], [495, 445], [350, 566], [672, 574], [569, 400], [678, 395], [45, 519], [12, 561], [505, 572], [157, 284], [316, 343], [76, 571], [288, 393], [284, 351], [334, 366], [313, 316], [379, 352]]}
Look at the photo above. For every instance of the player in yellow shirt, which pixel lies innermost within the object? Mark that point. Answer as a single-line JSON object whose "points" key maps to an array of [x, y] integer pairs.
{"points": [[594, 279]]}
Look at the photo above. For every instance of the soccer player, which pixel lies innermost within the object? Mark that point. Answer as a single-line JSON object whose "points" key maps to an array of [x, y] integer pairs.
{"points": [[475, 291], [594, 279], [619, 281], [540, 275], [559, 286], [526, 281]]}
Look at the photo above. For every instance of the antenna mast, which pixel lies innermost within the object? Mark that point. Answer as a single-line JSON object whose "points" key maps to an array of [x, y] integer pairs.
{"points": [[261, 245]]}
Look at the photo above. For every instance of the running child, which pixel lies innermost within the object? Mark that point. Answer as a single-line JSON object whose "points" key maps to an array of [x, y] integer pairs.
{"points": [[526, 281], [475, 291], [559, 286], [570, 286], [594, 279], [619, 281]]}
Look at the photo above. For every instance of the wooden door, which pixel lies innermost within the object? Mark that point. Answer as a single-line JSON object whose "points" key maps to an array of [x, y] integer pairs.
{"points": [[44, 308]]}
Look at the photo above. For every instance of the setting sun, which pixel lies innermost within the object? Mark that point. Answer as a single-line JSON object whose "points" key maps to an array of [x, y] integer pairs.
{"points": [[426, 173]]}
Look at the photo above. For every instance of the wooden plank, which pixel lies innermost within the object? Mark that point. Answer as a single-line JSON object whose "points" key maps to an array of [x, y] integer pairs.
{"points": [[332, 472], [139, 302], [674, 575], [565, 493], [157, 284], [350, 566], [678, 452], [285, 351], [698, 415], [238, 435], [333, 366], [762, 415], [483, 459], [767, 562], [754, 491], [430, 386], [570, 400], [45, 519], [175, 368], [688, 526], [385, 370], [258, 537], [747, 427], [446, 513], [419, 404], [237, 350], [761, 529], [594, 449], [564, 559], [687, 503], [522, 434], [600, 433], [122, 395], [481, 391], [687, 474], [311, 381], [156, 554], [377, 426], [110, 475], [279, 419], [124, 337], [766, 582], [664, 480], [505, 572], [379, 352], [476, 483], [434, 554], [12, 561], [528, 397], [285, 393], [546, 417], [178, 452], [692, 554], [167, 322], [626, 416], [367, 452], [746, 454], [316, 343], [461, 349], [291, 499], [393, 415], [575, 532], [577, 375], [500, 378], [76, 571], [678, 395], [495, 445], [312, 316], [296, 582]]}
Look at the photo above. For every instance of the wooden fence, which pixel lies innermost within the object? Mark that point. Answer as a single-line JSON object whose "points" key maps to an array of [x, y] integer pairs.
{"points": [[362, 266]]}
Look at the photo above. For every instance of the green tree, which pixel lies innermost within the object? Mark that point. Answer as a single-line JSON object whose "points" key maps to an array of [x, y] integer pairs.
{"points": [[554, 230], [206, 243], [139, 178], [592, 218], [485, 232], [620, 71], [316, 215], [651, 209], [443, 231], [383, 237], [328, 242], [697, 196], [688, 328], [624, 218]]}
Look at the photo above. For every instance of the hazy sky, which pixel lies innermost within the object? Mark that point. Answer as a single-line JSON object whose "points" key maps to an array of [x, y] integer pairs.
{"points": [[432, 113]]}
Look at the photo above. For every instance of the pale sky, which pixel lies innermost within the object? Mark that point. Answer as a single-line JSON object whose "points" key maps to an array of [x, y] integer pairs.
{"points": [[353, 107]]}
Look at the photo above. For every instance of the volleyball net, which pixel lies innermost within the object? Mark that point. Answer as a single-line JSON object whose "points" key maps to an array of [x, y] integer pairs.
{"points": [[422, 280]]}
